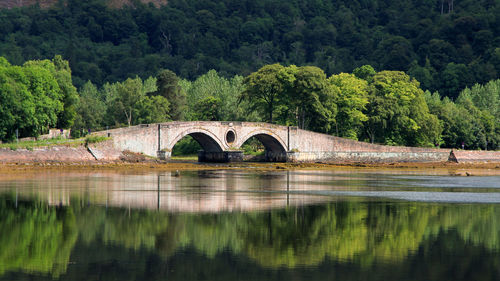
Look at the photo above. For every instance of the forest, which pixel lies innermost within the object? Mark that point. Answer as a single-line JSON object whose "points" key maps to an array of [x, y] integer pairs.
{"points": [[446, 45], [417, 73]]}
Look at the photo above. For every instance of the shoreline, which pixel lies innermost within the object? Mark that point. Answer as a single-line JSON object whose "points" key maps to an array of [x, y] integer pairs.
{"points": [[150, 165]]}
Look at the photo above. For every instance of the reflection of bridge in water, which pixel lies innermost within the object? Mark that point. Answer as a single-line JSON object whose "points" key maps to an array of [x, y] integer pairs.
{"points": [[191, 191]]}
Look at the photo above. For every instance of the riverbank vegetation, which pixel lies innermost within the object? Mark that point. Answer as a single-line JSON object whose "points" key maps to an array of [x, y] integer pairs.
{"points": [[30, 145], [386, 107]]}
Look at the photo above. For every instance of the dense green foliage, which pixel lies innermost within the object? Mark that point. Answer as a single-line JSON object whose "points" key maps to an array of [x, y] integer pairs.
{"points": [[469, 120], [446, 49], [130, 102], [35, 97], [386, 107]]}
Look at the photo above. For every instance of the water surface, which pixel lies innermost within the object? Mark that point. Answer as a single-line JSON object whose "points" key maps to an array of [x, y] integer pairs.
{"points": [[249, 225]]}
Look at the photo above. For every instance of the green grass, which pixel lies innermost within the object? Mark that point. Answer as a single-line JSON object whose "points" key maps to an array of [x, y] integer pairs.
{"points": [[185, 157], [95, 139], [30, 145], [42, 143]]}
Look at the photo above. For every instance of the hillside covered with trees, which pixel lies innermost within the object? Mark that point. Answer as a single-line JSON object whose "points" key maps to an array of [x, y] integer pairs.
{"points": [[445, 44]]}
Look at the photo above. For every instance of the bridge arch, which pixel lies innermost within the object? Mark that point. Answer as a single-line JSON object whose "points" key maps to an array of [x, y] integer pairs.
{"points": [[207, 140], [271, 142]]}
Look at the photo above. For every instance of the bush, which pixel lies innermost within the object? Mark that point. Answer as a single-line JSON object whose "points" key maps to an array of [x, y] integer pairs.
{"points": [[95, 139]]}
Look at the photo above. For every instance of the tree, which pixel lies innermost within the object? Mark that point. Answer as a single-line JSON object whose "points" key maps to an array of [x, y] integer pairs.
{"points": [[91, 108], [351, 103], [128, 102], [365, 72], [454, 78], [264, 89], [168, 87], [211, 84], [124, 97], [424, 75], [152, 110], [397, 111], [35, 97], [395, 53], [208, 109], [482, 123], [47, 95], [313, 98], [62, 73], [17, 105]]}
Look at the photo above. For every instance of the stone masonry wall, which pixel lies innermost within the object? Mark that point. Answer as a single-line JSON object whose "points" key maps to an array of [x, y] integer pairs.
{"points": [[464, 156], [140, 139], [51, 154]]}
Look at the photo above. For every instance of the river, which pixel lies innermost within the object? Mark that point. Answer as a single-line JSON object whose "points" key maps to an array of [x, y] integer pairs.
{"points": [[338, 224]]}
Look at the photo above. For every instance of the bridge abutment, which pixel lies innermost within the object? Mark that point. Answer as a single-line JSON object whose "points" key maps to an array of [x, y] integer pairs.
{"points": [[163, 155], [220, 157], [272, 156]]}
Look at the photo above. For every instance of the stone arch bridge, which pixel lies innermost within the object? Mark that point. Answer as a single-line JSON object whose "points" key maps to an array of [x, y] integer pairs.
{"points": [[221, 142]]}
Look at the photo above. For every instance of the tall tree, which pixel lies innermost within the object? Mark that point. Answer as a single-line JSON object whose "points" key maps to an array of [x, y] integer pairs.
{"points": [[124, 97], [62, 73], [351, 102], [91, 108], [397, 112], [264, 89], [314, 99], [169, 88], [17, 105]]}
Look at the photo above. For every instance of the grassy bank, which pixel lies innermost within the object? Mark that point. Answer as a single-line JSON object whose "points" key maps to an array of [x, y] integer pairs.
{"points": [[42, 143], [30, 145]]}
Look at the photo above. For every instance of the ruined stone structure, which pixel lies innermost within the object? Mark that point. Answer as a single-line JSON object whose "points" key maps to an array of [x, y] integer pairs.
{"points": [[221, 142]]}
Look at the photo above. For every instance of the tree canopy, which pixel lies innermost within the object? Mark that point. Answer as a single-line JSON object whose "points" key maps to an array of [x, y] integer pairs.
{"points": [[445, 49], [34, 97]]}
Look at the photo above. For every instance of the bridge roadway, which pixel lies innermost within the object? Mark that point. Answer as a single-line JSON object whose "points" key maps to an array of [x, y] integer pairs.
{"points": [[221, 141]]}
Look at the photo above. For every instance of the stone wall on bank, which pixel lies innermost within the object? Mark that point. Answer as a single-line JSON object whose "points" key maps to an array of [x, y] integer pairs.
{"points": [[140, 139], [49, 154], [310, 146], [467, 156], [374, 157]]}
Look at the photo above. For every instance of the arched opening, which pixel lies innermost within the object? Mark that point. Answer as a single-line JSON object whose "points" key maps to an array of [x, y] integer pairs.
{"points": [[263, 147], [230, 137], [188, 147]]}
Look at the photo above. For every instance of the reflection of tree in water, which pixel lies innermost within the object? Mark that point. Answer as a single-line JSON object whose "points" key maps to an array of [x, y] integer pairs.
{"points": [[342, 231], [35, 237], [132, 229], [346, 231], [366, 233]]}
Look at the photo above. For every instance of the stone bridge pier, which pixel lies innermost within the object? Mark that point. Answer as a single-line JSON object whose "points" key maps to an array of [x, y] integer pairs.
{"points": [[221, 142]]}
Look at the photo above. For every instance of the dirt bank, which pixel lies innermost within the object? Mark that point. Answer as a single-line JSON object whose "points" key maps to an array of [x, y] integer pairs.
{"points": [[81, 158], [148, 165]]}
